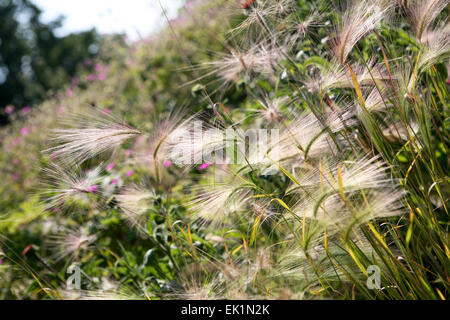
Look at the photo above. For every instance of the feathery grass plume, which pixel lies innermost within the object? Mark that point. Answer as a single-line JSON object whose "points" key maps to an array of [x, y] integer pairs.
{"points": [[221, 195], [90, 135], [376, 100], [71, 243], [423, 13], [336, 76], [261, 59], [134, 203], [271, 111], [236, 279], [345, 215], [319, 266], [112, 294], [62, 185], [364, 173], [216, 203], [195, 141], [305, 135], [436, 47], [297, 29], [346, 195], [360, 18], [405, 83], [250, 278], [397, 132], [197, 281], [262, 15], [293, 264], [166, 131]]}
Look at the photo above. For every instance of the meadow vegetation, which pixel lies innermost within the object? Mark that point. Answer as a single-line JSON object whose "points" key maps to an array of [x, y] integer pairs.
{"points": [[357, 92]]}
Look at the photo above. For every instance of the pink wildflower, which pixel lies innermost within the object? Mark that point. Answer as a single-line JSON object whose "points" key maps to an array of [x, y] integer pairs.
{"points": [[69, 93], [110, 166], [101, 76], [167, 163], [98, 67], [129, 173], [204, 166], [9, 109], [26, 110], [15, 141], [24, 131]]}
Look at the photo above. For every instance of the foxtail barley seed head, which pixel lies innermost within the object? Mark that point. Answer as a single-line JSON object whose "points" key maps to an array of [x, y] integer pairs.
{"points": [[71, 243], [134, 202], [63, 184], [360, 18], [89, 136], [423, 13]]}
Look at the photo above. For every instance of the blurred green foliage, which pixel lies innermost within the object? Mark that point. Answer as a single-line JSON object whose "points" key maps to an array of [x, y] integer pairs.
{"points": [[34, 61]]}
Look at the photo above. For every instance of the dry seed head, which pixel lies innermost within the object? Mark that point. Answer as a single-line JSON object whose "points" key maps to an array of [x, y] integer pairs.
{"points": [[260, 59], [134, 203], [71, 243], [89, 136], [62, 184], [358, 20], [337, 76], [423, 13], [215, 203], [436, 47]]}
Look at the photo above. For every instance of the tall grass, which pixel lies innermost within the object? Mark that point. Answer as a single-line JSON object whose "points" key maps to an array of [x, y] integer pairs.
{"points": [[358, 178]]}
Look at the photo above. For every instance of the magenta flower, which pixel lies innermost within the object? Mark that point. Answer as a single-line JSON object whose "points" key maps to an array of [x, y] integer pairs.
{"points": [[91, 77], [110, 166], [101, 76], [24, 131], [167, 163], [204, 166], [98, 67], [106, 111], [1, 261], [115, 181], [9, 109], [128, 152], [15, 141], [16, 161], [60, 110], [69, 93], [93, 189], [129, 173], [26, 110]]}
